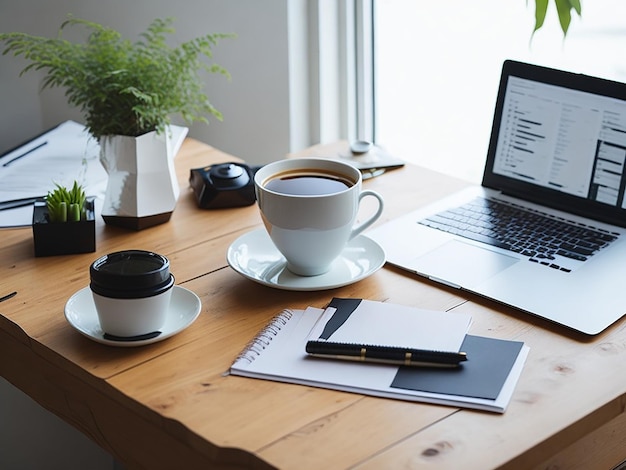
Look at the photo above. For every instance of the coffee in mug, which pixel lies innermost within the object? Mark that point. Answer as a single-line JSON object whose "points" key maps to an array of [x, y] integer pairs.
{"points": [[309, 208], [308, 182]]}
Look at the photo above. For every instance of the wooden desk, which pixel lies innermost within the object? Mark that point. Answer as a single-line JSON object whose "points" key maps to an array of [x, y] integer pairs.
{"points": [[171, 405]]}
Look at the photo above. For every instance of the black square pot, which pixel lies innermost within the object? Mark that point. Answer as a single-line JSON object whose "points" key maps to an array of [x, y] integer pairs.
{"points": [[63, 238]]}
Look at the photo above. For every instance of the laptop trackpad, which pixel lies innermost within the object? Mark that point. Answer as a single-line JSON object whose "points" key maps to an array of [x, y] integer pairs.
{"points": [[462, 264]]}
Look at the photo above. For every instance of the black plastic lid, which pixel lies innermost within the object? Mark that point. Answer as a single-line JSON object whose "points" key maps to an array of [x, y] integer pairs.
{"points": [[130, 274]]}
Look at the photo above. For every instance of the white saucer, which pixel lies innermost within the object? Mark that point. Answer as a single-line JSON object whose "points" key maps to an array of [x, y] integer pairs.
{"points": [[254, 256], [80, 312]]}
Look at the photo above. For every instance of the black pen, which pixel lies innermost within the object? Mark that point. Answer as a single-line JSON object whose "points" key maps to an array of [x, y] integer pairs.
{"points": [[8, 296], [385, 354], [25, 153], [12, 204]]}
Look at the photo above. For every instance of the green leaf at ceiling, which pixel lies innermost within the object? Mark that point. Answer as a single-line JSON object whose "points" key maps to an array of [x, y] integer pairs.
{"points": [[564, 9], [541, 7]]}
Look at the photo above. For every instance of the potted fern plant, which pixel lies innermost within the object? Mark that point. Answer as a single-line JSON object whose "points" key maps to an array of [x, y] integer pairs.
{"points": [[128, 92], [64, 222]]}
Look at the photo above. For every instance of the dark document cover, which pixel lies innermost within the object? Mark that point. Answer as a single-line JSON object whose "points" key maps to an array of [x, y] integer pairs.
{"points": [[481, 376]]}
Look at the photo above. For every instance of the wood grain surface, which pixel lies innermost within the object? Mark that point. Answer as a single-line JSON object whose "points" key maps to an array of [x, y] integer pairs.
{"points": [[172, 404]]}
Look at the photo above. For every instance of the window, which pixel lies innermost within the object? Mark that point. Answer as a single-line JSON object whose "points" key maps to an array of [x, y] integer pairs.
{"points": [[437, 67]]}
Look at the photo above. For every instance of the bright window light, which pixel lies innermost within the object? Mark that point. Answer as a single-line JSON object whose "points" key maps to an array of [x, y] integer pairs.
{"points": [[438, 66]]}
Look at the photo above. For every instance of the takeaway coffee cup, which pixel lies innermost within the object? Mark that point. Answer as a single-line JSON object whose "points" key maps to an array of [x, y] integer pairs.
{"points": [[309, 207], [131, 290]]}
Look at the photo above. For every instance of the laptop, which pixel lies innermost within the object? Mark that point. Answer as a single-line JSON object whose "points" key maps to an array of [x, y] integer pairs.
{"points": [[556, 165]]}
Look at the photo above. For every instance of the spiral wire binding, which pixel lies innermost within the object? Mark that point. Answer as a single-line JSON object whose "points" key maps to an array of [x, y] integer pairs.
{"points": [[263, 339]]}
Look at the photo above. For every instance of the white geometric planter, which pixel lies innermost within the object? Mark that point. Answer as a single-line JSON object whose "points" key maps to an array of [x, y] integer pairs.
{"points": [[142, 188]]}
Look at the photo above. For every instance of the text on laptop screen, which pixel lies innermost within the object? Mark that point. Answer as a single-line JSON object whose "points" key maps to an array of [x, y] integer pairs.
{"points": [[563, 139]]}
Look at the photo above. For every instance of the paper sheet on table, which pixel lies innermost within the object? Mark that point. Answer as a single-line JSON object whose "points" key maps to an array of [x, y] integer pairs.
{"points": [[278, 353], [361, 321], [61, 155]]}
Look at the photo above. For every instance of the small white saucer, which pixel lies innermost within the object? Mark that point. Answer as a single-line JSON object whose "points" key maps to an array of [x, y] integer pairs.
{"points": [[254, 256], [80, 312]]}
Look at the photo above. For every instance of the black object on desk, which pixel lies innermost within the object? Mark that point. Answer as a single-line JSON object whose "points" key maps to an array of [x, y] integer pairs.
{"points": [[223, 185], [384, 354], [15, 203]]}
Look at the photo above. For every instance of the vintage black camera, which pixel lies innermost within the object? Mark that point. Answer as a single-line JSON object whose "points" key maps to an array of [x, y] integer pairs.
{"points": [[223, 185]]}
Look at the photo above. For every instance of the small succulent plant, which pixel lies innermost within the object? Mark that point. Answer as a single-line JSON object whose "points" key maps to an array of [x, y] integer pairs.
{"points": [[66, 205]]}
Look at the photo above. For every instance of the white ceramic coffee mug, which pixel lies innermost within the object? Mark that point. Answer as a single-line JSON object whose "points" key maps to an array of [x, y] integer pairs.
{"points": [[309, 207]]}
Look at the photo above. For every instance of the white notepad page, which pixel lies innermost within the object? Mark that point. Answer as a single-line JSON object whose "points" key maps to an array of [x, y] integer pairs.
{"points": [[386, 324]]}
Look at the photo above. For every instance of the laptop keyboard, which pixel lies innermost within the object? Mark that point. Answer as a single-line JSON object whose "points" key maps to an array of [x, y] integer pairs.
{"points": [[539, 236]]}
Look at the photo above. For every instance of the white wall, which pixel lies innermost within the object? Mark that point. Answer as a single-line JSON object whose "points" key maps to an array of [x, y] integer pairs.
{"points": [[255, 102], [256, 127]]}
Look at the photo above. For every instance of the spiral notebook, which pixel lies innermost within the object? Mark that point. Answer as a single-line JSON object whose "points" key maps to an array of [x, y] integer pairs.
{"points": [[486, 381]]}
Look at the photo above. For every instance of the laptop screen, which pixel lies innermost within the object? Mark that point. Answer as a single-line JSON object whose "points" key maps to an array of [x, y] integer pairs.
{"points": [[559, 139]]}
